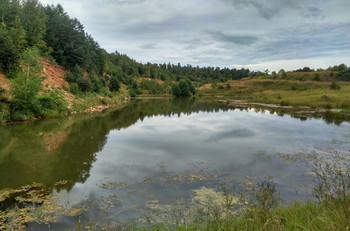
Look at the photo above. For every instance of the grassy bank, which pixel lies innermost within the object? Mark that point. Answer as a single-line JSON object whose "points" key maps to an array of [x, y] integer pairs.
{"points": [[313, 94], [94, 102], [298, 216]]}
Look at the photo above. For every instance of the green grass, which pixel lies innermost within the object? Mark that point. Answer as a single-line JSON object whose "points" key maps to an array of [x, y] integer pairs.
{"points": [[92, 100], [298, 216], [314, 94]]}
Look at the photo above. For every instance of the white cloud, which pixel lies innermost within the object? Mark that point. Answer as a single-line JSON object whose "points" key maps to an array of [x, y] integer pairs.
{"points": [[264, 34]]}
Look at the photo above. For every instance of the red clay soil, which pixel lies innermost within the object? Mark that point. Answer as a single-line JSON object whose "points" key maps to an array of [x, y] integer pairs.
{"points": [[4, 82], [54, 74], [157, 80], [55, 79]]}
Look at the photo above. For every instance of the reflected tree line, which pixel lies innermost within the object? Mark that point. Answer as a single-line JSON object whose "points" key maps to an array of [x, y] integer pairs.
{"points": [[49, 151], [59, 149]]}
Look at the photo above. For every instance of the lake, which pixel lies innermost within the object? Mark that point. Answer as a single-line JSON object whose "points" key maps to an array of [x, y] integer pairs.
{"points": [[158, 151]]}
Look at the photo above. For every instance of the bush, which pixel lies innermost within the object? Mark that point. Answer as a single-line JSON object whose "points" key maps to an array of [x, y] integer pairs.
{"points": [[114, 84], [326, 98], [334, 85], [54, 102], [74, 89], [183, 89], [4, 112], [317, 77], [26, 86], [85, 84], [176, 91], [132, 92], [104, 101]]}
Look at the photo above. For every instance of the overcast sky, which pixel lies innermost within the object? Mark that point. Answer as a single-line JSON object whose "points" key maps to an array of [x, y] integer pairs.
{"points": [[255, 34]]}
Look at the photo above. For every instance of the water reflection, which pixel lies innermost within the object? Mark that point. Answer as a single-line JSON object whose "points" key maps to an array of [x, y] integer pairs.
{"points": [[65, 148], [157, 139], [51, 150]]}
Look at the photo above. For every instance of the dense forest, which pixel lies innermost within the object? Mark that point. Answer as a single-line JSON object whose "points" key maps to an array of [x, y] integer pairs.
{"points": [[30, 32]]}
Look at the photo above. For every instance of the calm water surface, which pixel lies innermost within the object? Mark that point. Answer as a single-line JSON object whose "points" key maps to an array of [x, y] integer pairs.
{"points": [[147, 143]]}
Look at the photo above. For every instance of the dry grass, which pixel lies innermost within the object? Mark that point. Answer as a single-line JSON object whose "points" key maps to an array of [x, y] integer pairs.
{"points": [[287, 92]]}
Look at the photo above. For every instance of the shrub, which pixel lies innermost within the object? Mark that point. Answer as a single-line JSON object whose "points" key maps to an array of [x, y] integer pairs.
{"points": [[26, 86], [132, 92], [114, 84], [54, 102], [104, 101], [4, 112], [326, 98], [317, 77], [185, 88], [85, 84], [176, 91], [74, 88], [334, 85]]}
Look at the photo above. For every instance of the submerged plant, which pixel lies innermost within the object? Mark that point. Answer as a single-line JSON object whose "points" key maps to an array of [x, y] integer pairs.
{"points": [[30, 204]]}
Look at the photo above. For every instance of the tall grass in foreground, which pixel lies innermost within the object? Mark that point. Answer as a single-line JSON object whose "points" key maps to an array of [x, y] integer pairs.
{"points": [[298, 216], [331, 176]]}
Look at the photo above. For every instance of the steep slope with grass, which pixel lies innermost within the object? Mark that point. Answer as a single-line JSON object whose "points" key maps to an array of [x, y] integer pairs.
{"points": [[52, 97]]}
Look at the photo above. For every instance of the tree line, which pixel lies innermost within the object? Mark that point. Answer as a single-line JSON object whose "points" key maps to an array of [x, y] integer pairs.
{"points": [[29, 29]]}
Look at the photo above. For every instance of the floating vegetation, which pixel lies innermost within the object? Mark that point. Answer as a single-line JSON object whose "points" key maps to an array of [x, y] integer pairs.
{"points": [[204, 204], [31, 204]]}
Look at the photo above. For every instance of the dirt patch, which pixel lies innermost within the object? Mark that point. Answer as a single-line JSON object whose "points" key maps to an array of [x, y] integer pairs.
{"points": [[4, 82], [206, 86], [55, 75], [55, 79], [157, 80]]}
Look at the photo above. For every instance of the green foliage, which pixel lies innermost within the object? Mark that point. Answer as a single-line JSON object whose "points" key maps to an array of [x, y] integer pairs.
{"points": [[265, 196], [340, 67], [85, 83], [114, 84], [74, 88], [344, 75], [26, 86], [283, 73], [153, 87], [183, 89], [9, 54], [33, 20], [305, 69], [134, 89], [134, 92], [317, 77], [18, 35], [176, 91], [4, 112], [30, 63], [334, 85], [71, 46], [52, 103]]}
